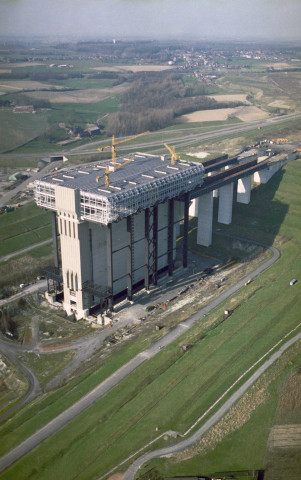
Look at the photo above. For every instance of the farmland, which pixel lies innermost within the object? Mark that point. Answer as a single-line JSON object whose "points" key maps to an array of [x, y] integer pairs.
{"points": [[80, 92]]}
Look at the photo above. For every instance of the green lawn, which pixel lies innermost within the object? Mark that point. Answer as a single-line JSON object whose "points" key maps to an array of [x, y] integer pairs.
{"points": [[84, 83], [18, 128], [23, 227], [172, 389]]}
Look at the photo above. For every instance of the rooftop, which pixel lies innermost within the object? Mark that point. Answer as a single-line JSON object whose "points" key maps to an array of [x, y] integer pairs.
{"points": [[141, 169], [135, 182]]}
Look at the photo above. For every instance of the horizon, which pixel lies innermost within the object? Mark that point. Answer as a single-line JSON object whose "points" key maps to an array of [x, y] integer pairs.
{"points": [[192, 20]]}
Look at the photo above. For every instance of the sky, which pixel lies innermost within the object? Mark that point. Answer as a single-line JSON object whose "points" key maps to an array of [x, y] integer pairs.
{"points": [[153, 19]]}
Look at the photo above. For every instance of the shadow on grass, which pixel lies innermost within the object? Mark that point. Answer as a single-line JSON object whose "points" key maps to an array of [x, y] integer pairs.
{"points": [[259, 221]]}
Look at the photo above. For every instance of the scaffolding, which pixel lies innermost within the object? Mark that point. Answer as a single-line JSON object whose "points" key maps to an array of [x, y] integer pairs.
{"points": [[146, 184]]}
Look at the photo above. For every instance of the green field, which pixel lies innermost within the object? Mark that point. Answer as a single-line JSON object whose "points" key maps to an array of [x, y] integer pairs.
{"points": [[172, 389], [23, 227], [17, 129]]}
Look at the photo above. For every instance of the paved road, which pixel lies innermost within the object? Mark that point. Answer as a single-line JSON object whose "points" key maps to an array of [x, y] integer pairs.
{"points": [[195, 437], [103, 388], [11, 351], [20, 187], [169, 136], [24, 250], [35, 287]]}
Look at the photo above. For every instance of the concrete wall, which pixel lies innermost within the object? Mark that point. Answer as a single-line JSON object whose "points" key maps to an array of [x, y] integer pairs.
{"points": [[205, 217], [84, 249], [225, 204]]}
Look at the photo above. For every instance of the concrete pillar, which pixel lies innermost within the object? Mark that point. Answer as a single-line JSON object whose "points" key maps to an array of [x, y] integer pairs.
{"points": [[244, 190], [185, 231], [225, 204], [170, 237], [262, 176], [110, 265], [54, 240], [129, 231], [193, 209], [205, 216]]}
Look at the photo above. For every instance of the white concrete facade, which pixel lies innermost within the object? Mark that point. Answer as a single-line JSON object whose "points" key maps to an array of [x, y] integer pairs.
{"points": [[193, 209], [84, 250]]}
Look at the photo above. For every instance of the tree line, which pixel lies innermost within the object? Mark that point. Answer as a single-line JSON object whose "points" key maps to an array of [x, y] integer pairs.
{"points": [[156, 102]]}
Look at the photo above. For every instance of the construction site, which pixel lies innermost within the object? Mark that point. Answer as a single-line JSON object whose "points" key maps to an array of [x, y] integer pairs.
{"points": [[118, 221]]}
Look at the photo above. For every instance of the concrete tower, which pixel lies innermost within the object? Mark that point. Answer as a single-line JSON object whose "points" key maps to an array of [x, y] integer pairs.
{"points": [[117, 233]]}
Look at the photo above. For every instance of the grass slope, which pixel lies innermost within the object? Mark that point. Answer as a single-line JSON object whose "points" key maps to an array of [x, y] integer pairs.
{"points": [[23, 227], [172, 389]]}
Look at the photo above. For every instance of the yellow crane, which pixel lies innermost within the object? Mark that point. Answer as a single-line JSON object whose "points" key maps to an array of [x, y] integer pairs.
{"points": [[110, 170], [113, 145], [174, 157]]}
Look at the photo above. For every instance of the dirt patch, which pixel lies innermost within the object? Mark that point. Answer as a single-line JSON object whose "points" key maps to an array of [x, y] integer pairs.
{"points": [[278, 66], [92, 95], [220, 114], [245, 114], [279, 104], [285, 436], [239, 97], [116, 476], [20, 64], [27, 85], [250, 114], [135, 68], [5, 70], [198, 154]]}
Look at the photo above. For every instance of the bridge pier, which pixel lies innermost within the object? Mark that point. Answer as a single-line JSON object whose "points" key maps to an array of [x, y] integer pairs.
{"points": [[225, 204], [244, 190], [205, 217]]}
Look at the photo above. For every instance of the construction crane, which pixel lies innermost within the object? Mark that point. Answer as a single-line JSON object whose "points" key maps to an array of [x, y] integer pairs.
{"points": [[113, 145], [112, 169], [174, 157]]}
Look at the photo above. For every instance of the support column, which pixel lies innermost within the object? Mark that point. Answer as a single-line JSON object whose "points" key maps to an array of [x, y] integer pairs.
{"points": [[170, 238], [147, 252], [129, 233], [244, 190], [193, 209], [261, 177], [205, 216], [225, 204], [185, 233], [155, 245], [54, 240], [110, 264]]}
